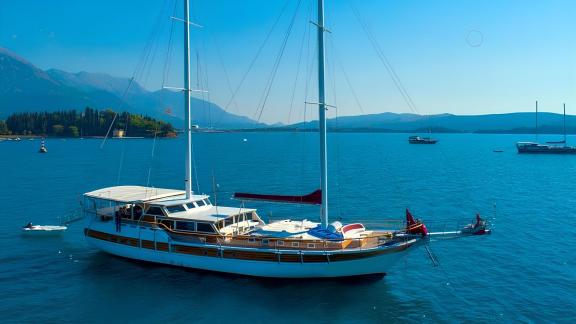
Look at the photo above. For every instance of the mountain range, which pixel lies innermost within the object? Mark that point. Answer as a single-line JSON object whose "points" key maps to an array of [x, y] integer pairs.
{"points": [[25, 87], [520, 122]]}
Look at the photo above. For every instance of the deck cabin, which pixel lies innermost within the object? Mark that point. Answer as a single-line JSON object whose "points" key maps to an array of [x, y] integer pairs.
{"points": [[196, 220], [170, 208]]}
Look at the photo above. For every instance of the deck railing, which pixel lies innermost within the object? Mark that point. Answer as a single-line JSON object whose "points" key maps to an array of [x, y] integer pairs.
{"points": [[377, 238], [292, 243]]}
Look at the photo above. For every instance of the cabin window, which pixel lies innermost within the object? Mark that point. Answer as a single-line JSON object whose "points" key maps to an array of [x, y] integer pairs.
{"points": [[280, 243], [167, 223], [248, 216], [155, 211], [311, 245], [228, 221], [251, 240], [186, 226], [207, 201], [205, 227], [295, 244], [175, 209], [190, 205], [148, 219], [265, 241], [200, 203]]}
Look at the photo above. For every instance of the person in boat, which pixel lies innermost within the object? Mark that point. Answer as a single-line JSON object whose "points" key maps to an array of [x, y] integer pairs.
{"points": [[29, 225], [480, 223], [124, 212], [137, 212]]}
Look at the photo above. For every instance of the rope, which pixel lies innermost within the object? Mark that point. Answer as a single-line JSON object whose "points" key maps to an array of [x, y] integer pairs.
{"points": [[143, 62], [300, 52], [166, 71], [393, 75], [277, 62], [337, 126], [224, 69], [356, 99], [258, 52], [122, 101], [121, 164]]}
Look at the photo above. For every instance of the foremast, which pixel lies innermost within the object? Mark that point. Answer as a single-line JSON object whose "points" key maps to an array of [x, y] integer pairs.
{"points": [[187, 103], [322, 116]]}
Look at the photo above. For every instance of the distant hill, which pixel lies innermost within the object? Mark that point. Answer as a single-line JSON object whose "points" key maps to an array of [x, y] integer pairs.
{"points": [[522, 122], [24, 87]]}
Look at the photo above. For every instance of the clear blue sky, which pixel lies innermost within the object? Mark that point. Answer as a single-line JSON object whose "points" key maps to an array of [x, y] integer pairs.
{"points": [[455, 56]]}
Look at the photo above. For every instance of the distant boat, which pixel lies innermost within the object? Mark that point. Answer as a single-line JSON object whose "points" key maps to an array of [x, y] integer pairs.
{"points": [[497, 151], [537, 148], [421, 140], [43, 148]]}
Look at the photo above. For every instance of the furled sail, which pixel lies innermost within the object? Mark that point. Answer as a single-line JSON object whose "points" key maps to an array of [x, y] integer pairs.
{"points": [[314, 198]]}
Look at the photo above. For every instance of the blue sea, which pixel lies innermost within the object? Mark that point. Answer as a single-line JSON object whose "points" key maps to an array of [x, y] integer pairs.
{"points": [[524, 271]]}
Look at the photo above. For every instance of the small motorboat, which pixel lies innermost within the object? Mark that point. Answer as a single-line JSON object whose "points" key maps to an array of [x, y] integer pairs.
{"points": [[421, 140], [43, 229], [478, 228]]}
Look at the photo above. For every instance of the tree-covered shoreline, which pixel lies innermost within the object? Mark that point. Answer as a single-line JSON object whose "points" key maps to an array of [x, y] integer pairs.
{"points": [[90, 122]]}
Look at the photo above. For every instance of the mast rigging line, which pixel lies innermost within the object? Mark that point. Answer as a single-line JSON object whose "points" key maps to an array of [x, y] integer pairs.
{"points": [[161, 99], [338, 62], [338, 164], [301, 51], [380, 53], [304, 139], [253, 62], [276, 65], [149, 50], [224, 69]]}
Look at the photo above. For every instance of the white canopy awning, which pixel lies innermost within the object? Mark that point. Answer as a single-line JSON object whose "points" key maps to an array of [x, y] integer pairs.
{"points": [[127, 194]]}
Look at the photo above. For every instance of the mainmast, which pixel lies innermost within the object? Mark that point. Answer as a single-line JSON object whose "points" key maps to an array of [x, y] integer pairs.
{"points": [[322, 115], [187, 90]]}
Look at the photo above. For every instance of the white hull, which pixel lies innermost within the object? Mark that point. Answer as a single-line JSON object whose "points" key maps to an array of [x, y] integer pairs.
{"points": [[44, 230], [378, 264]]}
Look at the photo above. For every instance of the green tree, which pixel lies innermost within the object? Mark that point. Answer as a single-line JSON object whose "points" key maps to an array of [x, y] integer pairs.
{"points": [[3, 128], [73, 131]]}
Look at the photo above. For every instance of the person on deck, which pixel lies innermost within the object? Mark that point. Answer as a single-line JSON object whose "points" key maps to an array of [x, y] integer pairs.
{"points": [[479, 221]]}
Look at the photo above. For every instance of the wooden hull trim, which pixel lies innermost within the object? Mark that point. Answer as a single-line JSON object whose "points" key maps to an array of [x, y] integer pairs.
{"points": [[252, 254]]}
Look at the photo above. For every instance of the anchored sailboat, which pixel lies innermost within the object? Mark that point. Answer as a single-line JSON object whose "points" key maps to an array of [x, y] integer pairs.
{"points": [[537, 148], [185, 229]]}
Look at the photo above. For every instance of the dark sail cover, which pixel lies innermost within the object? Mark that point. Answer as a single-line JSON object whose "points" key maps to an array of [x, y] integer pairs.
{"points": [[314, 198]]}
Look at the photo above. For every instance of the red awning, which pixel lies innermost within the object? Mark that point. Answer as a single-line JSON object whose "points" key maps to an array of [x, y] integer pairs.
{"points": [[314, 198]]}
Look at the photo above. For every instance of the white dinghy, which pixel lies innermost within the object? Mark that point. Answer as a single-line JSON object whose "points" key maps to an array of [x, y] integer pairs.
{"points": [[42, 230]]}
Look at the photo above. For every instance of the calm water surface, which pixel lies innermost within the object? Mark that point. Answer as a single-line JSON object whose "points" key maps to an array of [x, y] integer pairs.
{"points": [[525, 271]]}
